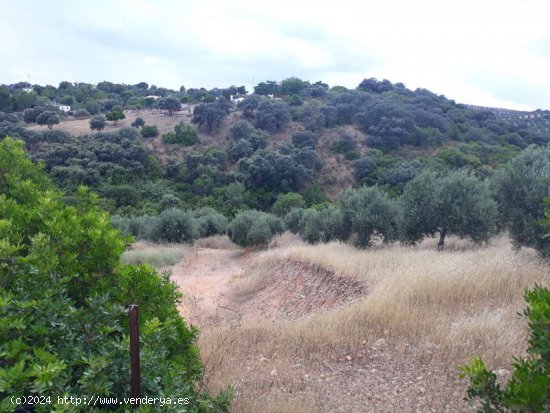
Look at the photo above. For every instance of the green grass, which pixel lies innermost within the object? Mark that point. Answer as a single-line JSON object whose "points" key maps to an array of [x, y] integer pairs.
{"points": [[157, 257]]}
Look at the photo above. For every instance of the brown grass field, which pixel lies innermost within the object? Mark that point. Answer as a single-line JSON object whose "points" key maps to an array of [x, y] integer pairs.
{"points": [[394, 349]]}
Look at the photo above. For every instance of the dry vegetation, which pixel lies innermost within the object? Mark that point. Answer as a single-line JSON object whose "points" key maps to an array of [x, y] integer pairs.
{"points": [[395, 349], [156, 255]]}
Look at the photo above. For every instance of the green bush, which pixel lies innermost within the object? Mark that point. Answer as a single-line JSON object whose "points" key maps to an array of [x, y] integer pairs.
{"points": [[528, 390], [322, 225], [175, 225], [149, 131], [286, 202], [254, 228], [292, 220], [184, 134], [210, 222], [63, 291]]}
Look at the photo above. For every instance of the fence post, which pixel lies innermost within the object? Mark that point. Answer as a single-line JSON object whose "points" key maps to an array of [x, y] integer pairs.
{"points": [[133, 313]]}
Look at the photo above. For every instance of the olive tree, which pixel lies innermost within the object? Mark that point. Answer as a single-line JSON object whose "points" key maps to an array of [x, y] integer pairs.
{"points": [[368, 213], [520, 190], [454, 203]]}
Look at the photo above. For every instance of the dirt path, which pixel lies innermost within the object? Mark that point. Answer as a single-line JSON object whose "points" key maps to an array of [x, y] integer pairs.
{"points": [[205, 280]]}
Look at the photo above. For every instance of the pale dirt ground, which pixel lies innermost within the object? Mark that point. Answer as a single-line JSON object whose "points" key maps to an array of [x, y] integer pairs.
{"points": [[377, 378]]}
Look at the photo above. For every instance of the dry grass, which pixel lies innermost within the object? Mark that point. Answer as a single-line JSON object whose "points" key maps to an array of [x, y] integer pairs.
{"points": [[156, 255], [218, 242], [450, 305]]}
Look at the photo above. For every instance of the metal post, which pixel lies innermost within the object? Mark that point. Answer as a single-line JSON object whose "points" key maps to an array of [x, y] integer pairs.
{"points": [[133, 312]]}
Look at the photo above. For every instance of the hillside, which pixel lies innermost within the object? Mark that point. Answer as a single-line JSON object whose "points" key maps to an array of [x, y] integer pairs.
{"points": [[380, 133]]}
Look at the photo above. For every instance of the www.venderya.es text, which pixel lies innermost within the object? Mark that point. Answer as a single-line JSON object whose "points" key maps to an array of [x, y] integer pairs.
{"points": [[98, 400]]}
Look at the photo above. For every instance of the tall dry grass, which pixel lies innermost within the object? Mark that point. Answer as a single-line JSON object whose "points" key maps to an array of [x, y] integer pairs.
{"points": [[451, 305], [158, 256]]}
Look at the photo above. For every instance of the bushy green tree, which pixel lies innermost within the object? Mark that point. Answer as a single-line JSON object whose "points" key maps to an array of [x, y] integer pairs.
{"points": [[63, 291], [454, 203], [115, 115], [184, 134], [175, 225], [210, 222], [528, 390], [98, 122], [138, 122], [286, 202], [293, 219], [149, 131], [48, 118], [169, 103], [254, 228], [272, 115], [368, 212], [321, 225], [520, 190]]}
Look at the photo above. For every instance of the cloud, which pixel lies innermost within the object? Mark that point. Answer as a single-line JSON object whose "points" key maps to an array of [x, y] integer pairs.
{"points": [[488, 53]]}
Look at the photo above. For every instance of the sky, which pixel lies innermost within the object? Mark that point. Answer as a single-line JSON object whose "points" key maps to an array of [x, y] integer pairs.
{"points": [[484, 52]]}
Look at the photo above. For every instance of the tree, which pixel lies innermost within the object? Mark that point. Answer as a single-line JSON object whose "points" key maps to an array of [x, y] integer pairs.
{"points": [[30, 114], [528, 390], [149, 131], [304, 139], [293, 86], [272, 115], [267, 88], [520, 190], [169, 103], [254, 228], [286, 202], [64, 293], [98, 122], [321, 226], [209, 114], [115, 115], [455, 203], [175, 225], [368, 212], [184, 134], [48, 118], [137, 123], [249, 104]]}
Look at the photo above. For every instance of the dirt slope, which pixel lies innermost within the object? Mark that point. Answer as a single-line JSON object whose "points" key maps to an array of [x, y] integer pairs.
{"points": [[377, 378]]}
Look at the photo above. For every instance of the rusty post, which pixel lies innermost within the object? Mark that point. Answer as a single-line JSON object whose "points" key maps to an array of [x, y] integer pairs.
{"points": [[133, 312]]}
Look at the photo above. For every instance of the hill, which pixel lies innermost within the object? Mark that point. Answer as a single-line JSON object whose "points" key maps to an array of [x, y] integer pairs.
{"points": [[308, 138]]}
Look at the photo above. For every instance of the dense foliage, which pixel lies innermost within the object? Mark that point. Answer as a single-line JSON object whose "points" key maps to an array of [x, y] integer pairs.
{"points": [[63, 292], [528, 390]]}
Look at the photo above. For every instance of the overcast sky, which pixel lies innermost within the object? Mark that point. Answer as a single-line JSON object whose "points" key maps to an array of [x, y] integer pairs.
{"points": [[493, 53]]}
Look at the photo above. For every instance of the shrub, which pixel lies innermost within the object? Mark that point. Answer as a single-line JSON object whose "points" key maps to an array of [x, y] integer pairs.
{"points": [[184, 134], [286, 202], [293, 219], [62, 300], [210, 222], [138, 123], [149, 131], [322, 226], [528, 388], [304, 139], [175, 225], [98, 122], [254, 228]]}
